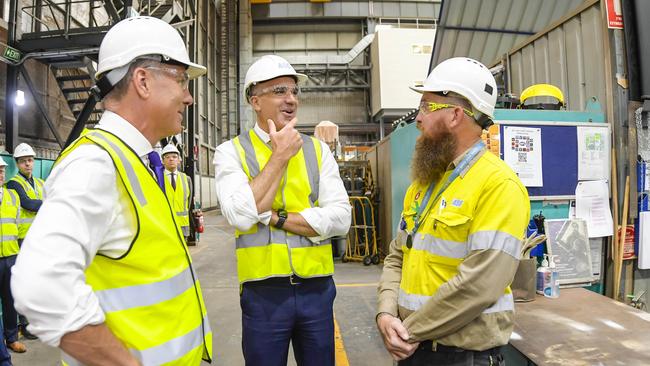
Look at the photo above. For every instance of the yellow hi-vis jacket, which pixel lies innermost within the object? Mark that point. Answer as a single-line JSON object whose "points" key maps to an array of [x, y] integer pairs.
{"points": [[264, 251], [485, 209], [35, 193], [150, 295], [9, 218], [179, 199]]}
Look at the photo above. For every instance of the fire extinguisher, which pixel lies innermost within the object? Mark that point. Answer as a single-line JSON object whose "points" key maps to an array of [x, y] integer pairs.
{"points": [[198, 220]]}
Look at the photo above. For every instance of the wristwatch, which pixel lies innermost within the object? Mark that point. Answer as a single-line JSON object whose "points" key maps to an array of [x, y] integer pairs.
{"points": [[282, 217]]}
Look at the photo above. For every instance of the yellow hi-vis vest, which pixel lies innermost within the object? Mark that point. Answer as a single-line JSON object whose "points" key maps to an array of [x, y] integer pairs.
{"points": [[9, 217], [470, 215], [35, 193], [264, 251], [179, 199], [150, 295]]}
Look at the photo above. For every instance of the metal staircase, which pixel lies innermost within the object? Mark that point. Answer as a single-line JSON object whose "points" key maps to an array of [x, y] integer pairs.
{"points": [[66, 36]]}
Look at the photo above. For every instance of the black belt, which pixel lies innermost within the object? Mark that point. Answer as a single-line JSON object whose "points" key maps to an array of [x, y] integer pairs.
{"points": [[291, 280], [428, 345]]}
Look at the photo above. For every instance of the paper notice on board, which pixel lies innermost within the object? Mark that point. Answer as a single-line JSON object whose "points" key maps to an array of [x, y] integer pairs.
{"points": [[522, 151], [592, 205], [593, 153]]}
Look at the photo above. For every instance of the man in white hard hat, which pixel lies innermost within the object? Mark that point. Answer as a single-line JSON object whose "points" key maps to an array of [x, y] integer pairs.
{"points": [[30, 191], [282, 192], [444, 295], [9, 219], [178, 187], [104, 272]]}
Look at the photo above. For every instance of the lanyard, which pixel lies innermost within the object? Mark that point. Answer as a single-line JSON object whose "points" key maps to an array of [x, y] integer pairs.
{"points": [[421, 214]]}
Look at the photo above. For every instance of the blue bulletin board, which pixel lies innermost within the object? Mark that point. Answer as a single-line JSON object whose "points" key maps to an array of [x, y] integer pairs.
{"points": [[559, 156]]}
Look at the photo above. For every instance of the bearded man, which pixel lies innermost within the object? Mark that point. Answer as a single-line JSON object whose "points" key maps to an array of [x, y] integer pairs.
{"points": [[444, 295]]}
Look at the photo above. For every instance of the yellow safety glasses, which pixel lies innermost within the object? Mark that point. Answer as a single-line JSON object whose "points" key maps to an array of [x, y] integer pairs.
{"points": [[430, 107]]}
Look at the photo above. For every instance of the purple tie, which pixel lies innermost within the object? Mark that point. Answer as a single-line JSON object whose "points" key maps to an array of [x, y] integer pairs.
{"points": [[158, 169]]}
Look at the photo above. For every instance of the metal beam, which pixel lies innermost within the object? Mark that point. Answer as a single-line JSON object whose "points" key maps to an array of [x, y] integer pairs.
{"points": [[41, 106]]}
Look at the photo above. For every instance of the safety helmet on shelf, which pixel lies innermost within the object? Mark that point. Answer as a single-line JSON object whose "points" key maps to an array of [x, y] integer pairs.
{"points": [[542, 90], [467, 78], [269, 67]]}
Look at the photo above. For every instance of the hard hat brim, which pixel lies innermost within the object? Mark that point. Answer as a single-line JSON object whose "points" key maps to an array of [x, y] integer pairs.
{"points": [[195, 70]]}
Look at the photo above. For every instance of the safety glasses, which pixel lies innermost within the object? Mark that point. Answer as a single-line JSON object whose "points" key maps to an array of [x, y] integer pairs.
{"points": [[430, 107], [279, 91], [182, 77]]}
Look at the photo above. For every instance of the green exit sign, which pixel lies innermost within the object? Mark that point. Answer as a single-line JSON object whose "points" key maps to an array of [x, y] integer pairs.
{"points": [[12, 54]]}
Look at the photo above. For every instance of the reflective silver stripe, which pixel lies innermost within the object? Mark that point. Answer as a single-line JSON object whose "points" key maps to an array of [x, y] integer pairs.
{"points": [[25, 220], [8, 220], [495, 240], [411, 301], [166, 352], [440, 247], [415, 302], [311, 161], [259, 239], [142, 295], [504, 303], [265, 236], [130, 172], [173, 349], [181, 213], [8, 238], [13, 197], [186, 230], [249, 152]]}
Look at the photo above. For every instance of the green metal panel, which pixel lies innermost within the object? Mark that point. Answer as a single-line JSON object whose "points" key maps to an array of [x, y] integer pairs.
{"points": [[402, 144]]}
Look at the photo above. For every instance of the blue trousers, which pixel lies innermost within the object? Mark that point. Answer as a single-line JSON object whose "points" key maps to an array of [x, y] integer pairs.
{"points": [[5, 358], [9, 315], [274, 312]]}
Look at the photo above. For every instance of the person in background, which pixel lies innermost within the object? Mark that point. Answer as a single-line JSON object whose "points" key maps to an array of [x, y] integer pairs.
{"points": [[444, 295], [104, 272], [178, 188], [9, 219], [282, 192], [30, 191]]}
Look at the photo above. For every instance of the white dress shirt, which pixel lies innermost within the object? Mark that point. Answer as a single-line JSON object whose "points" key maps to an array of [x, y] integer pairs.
{"points": [[84, 213], [331, 218]]}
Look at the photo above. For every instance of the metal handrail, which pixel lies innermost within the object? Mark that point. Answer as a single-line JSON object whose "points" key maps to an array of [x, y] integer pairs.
{"points": [[68, 19]]}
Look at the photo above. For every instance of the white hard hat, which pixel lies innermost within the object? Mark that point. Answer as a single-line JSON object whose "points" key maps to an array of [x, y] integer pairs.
{"points": [[23, 150], [269, 67], [170, 148], [139, 36], [467, 77], [3, 162]]}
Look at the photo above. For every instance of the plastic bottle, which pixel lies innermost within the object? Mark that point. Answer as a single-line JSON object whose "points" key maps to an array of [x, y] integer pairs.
{"points": [[552, 287], [542, 273]]}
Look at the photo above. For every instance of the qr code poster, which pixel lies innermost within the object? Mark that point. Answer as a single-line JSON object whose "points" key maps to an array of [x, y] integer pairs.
{"points": [[523, 153]]}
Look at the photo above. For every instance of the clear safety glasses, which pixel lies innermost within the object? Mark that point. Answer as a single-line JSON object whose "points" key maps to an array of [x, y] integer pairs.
{"points": [[182, 77], [279, 91]]}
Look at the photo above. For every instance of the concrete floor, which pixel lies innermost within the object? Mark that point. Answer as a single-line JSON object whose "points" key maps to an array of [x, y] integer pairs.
{"points": [[214, 260]]}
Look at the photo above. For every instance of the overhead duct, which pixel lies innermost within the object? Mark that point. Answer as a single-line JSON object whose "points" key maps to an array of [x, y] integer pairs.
{"points": [[333, 59]]}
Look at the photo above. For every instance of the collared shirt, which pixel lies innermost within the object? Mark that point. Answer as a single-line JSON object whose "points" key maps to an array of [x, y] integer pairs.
{"points": [[84, 214], [331, 218]]}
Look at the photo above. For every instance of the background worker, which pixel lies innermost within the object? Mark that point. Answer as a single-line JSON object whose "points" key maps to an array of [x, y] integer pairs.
{"points": [[178, 187], [444, 295], [9, 218], [30, 191], [282, 192], [104, 272]]}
